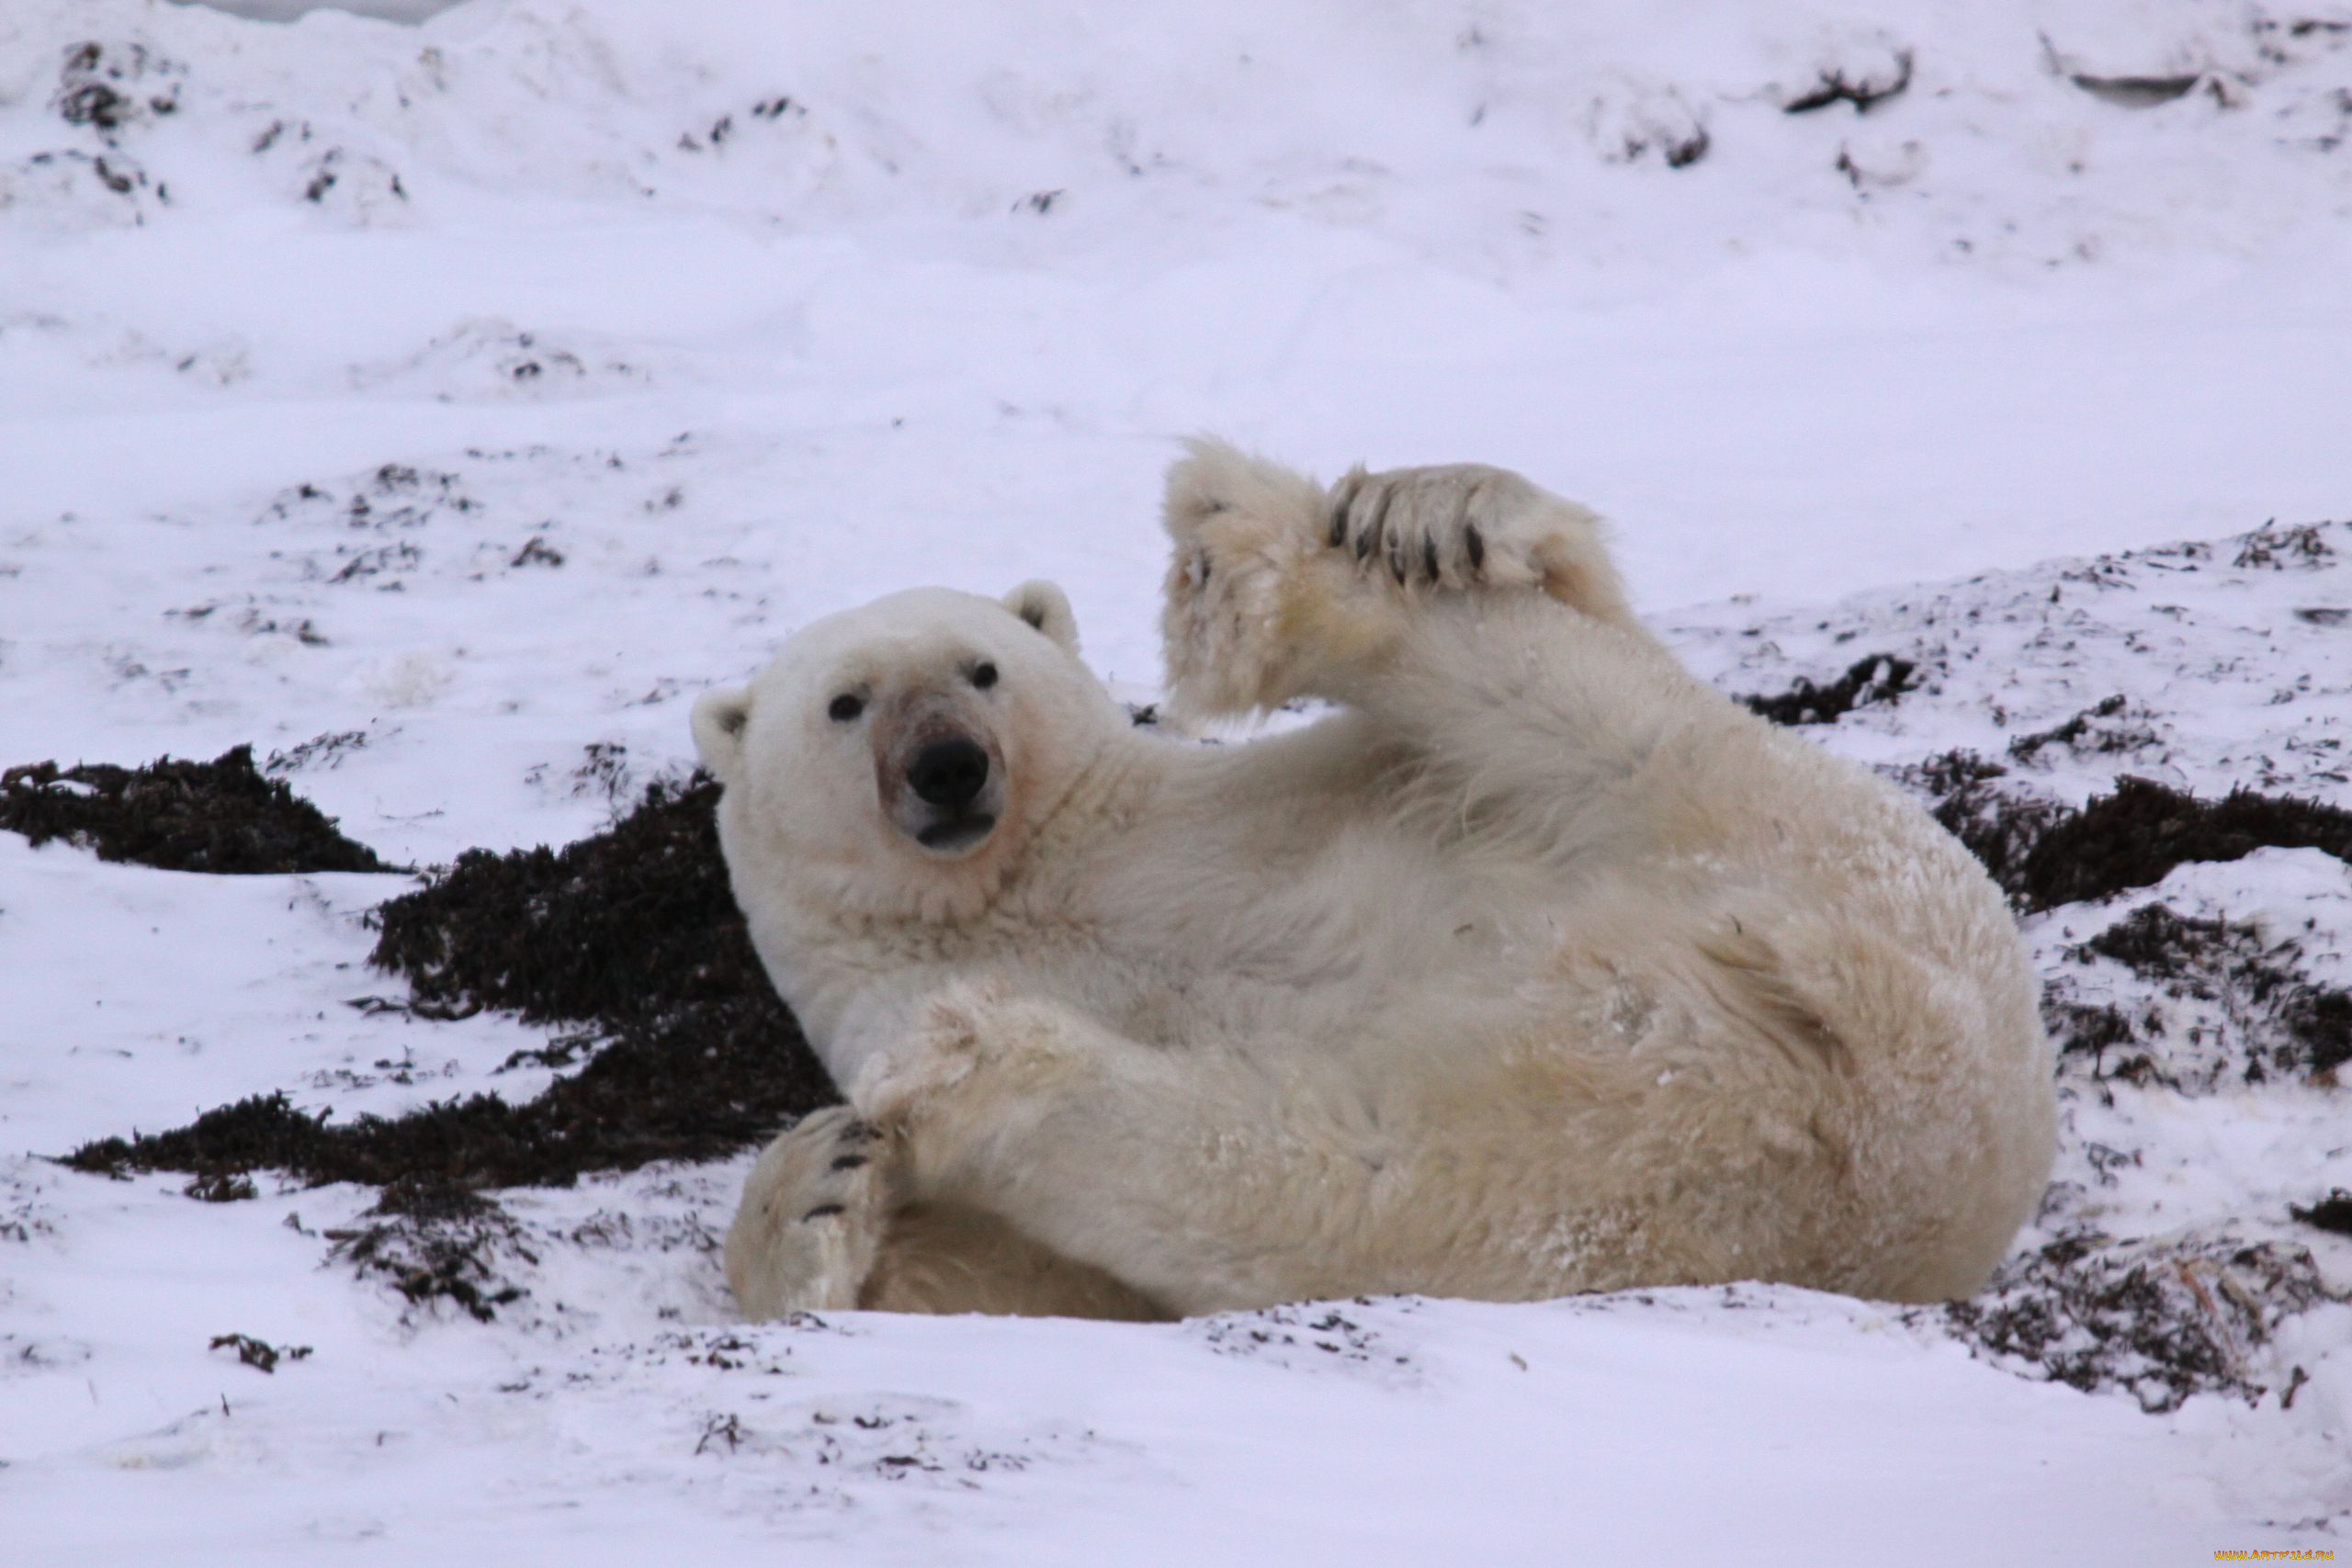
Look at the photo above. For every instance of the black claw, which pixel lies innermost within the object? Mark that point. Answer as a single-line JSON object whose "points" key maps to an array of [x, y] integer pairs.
{"points": [[1343, 495], [1475, 544], [820, 1211], [1429, 555], [1369, 540], [848, 1162]]}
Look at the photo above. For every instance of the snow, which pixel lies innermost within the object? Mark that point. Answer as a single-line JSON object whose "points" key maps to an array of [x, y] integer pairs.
{"points": [[312, 325]]}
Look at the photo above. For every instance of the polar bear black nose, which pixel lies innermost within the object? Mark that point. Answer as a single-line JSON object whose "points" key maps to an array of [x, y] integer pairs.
{"points": [[949, 772]]}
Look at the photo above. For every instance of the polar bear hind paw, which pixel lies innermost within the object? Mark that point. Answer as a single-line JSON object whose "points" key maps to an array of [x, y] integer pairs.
{"points": [[1245, 534], [1463, 526], [813, 1217], [1278, 589]]}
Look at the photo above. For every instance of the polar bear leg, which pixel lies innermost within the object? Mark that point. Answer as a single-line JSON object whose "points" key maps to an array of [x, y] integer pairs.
{"points": [[1249, 563], [1431, 601], [1174, 1172], [953, 1257], [822, 1228], [1277, 589], [1563, 734]]}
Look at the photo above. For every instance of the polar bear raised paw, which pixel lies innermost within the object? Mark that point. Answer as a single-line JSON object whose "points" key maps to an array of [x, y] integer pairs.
{"points": [[1466, 525], [1278, 589], [1247, 568]]}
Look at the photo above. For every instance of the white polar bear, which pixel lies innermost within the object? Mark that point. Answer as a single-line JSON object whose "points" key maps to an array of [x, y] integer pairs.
{"points": [[1536, 967]]}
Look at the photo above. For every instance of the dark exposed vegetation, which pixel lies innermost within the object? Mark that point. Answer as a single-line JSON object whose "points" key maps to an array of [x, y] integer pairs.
{"points": [[176, 815], [2333, 1212], [2228, 1005], [2044, 855], [434, 1240], [2091, 731], [1880, 678], [2162, 1321], [1863, 91], [259, 1354], [2134, 838]]}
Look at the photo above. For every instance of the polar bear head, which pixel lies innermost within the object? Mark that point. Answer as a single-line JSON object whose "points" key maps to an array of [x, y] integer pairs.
{"points": [[894, 760]]}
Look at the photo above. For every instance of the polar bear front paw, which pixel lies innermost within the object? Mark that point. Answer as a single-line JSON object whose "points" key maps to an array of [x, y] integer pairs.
{"points": [[1467, 526], [979, 1061], [965, 1031], [936, 1054], [812, 1218]]}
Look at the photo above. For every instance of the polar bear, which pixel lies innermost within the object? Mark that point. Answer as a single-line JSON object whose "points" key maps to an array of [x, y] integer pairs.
{"points": [[1534, 967]]}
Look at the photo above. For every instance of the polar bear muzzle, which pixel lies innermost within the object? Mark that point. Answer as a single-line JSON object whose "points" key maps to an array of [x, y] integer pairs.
{"points": [[942, 784]]}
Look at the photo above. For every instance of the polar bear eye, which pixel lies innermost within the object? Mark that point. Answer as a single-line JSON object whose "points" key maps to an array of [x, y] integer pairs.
{"points": [[984, 675], [846, 706]]}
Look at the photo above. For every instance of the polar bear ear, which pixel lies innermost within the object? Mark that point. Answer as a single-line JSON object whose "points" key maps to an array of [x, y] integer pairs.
{"points": [[718, 720], [1045, 608]]}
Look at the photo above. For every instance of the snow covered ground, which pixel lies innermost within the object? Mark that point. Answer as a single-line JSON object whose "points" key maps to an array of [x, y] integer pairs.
{"points": [[477, 391]]}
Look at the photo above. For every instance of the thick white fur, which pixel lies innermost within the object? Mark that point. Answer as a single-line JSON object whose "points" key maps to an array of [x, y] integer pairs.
{"points": [[1536, 967]]}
